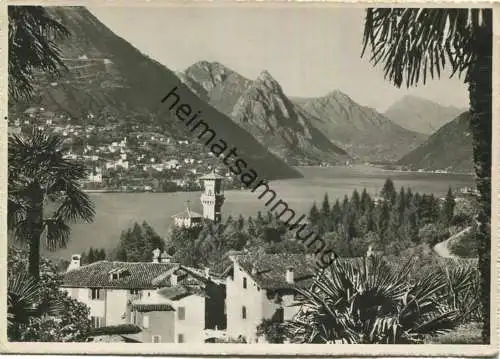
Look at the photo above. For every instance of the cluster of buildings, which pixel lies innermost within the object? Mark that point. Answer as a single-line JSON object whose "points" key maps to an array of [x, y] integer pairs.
{"points": [[173, 303], [110, 147]]}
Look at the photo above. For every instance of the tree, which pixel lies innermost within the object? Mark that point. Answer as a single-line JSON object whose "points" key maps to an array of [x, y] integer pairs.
{"points": [[413, 43], [366, 201], [370, 302], [314, 214], [32, 47], [90, 256], [44, 193], [273, 331], [137, 244], [325, 207], [448, 208], [355, 201], [388, 192], [37, 310]]}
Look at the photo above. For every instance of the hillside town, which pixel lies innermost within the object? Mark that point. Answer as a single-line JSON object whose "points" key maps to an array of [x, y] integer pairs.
{"points": [[125, 158]]}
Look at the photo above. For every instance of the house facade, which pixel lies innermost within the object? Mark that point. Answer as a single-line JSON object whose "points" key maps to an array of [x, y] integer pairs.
{"points": [[169, 302], [263, 286]]}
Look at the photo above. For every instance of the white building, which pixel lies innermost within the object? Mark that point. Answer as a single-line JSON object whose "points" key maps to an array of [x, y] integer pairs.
{"points": [[262, 286], [167, 301], [95, 177], [187, 218]]}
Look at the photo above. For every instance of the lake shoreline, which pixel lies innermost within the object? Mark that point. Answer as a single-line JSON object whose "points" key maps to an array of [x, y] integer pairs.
{"points": [[116, 211]]}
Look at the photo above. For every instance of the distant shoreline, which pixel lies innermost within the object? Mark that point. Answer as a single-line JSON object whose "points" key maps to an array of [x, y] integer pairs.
{"points": [[381, 167], [439, 172], [104, 190]]}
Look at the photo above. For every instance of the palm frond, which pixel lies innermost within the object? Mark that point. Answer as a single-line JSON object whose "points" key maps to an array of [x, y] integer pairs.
{"points": [[32, 32], [413, 43], [23, 297], [56, 233], [76, 205]]}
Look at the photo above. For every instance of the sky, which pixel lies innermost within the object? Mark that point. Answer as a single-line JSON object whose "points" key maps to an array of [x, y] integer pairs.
{"points": [[310, 50]]}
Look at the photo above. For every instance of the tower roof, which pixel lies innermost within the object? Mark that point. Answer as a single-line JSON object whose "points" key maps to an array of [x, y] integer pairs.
{"points": [[187, 213], [211, 176]]}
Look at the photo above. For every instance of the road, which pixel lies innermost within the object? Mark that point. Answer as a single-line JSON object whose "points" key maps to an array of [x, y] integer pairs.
{"points": [[442, 247]]}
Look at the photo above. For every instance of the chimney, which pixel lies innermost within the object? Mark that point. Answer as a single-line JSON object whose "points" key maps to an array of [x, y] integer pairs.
{"points": [[289, 275], [156, 255], [173, 279], [370, 253], [254, 269], [75, 262], [207, 272], [165, 257]]}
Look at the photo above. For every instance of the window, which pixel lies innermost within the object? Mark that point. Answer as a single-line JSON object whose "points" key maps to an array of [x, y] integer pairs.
{"points": [[156, 339], [244, 283], [96, 294], [180, 338], [244, 312], [181, 313], [134, 291], [145, 321], [96, 322]]}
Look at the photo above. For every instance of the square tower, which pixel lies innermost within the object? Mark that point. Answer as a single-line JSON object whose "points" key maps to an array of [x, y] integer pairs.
{"points": [[212, 197]]}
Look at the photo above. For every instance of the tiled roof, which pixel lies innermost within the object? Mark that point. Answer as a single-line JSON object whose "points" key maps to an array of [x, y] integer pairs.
{"points": [[187, 214], [151, 307], [211, 176], [178, 292], [271, 269], [96, 275]]}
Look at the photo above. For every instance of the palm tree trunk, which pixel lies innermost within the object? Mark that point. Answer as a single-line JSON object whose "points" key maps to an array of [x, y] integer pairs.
{"points": [[480, 93], [35, 226]]}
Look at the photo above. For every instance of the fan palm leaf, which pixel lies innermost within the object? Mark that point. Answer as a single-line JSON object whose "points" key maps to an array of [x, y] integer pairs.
{"points": [[23, 297], [39, 174], [413, 43], [369, 301], [32, 32]]}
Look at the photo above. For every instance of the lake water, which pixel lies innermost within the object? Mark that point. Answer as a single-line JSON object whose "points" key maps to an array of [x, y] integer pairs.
{"points": [[118, 211]]}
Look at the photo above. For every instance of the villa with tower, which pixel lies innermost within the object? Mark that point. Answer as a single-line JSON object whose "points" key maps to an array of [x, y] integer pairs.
{"points": [[212, 199]]}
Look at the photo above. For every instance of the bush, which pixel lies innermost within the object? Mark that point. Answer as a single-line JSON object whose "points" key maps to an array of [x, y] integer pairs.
{"points": [[121, 329], [464, 246], [71, 322], [273, 331], [464, 334], [371, 301]]}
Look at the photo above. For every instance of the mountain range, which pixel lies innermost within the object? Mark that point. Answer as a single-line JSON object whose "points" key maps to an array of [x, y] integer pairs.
{"points": [[328, 124], [449, 148], [261, 108], [365, 133], [421, 115], [111, 78], [272, 131]]}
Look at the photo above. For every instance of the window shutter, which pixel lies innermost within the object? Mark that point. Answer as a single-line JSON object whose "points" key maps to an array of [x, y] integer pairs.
{"points": [[145, 321], [181, 313]]}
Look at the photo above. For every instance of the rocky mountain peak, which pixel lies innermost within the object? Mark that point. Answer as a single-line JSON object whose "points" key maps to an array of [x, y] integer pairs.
{"points": [[266, 80], [208, 74]]}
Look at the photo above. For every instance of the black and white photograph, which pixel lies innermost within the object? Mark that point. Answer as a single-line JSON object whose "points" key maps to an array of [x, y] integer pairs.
{"points": [[248, 173]]}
